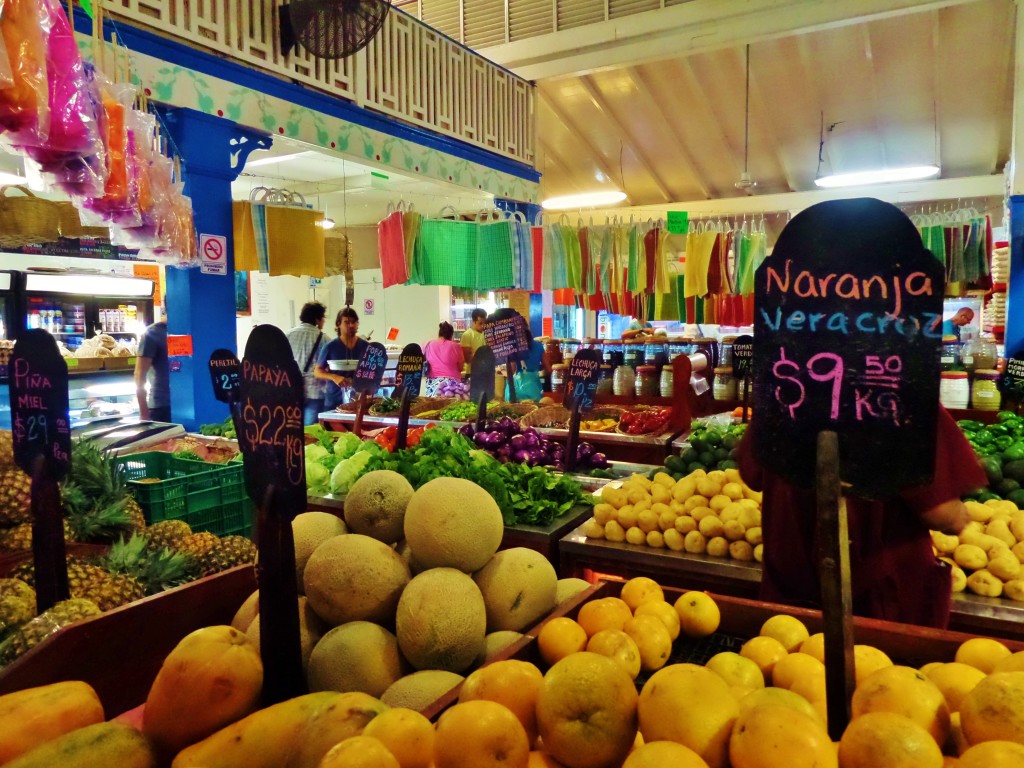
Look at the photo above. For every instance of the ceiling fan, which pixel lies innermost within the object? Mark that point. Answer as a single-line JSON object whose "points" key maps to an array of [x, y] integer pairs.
{"points": [[746, 182]]}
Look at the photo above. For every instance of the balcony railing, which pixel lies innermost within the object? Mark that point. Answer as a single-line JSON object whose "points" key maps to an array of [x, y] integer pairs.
{"points": [[408, 71]]}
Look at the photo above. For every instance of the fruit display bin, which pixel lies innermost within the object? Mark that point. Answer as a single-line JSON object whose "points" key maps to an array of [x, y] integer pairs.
{"points": [[741, 619], [209, 497]]}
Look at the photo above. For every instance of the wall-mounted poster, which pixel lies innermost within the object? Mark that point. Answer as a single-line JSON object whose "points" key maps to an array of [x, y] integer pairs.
{"points": [[243, 302]]}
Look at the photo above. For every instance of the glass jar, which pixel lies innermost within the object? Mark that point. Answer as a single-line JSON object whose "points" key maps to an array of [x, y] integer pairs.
{"points": [[559, 372], [612, 352], [725, 351], [647, 381], [569, 349], [667, 382], [954, 390], [656, 351], [985, 395], [951, 354], [678, 346], [979, 355], [604, 380], [633, 353], [724, 387], [623, 381], [590, 343], [552, 354]]}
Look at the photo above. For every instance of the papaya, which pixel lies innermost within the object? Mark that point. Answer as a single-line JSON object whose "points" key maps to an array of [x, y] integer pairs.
{"points": [[35, 716], [212, 678], [296, 733], [106, 744]]}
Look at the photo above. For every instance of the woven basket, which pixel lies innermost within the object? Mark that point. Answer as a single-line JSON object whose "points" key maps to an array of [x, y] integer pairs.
{"points": [[552, 414], [603, 412], [27, 220], [638, 409], [424, 404], [514, 411], [354, 405], [71, 227]]}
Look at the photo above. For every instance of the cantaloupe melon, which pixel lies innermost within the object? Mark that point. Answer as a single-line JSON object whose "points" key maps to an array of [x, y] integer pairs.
{"points": [[569, 587], [496, 642], [441, 620], [418, 690], [246, 612], [518, 586], [357, 656], [375, 505], [309, 531], [453, 523], [311, 628], [354, 577]]}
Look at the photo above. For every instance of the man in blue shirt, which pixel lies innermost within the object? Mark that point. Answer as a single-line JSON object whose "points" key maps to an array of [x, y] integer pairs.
{"points": [[348, 346], [152, 357]]}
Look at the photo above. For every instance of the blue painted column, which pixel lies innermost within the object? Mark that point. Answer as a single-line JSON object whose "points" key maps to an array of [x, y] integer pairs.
{"points": [[213, 152], [1014, 338]]}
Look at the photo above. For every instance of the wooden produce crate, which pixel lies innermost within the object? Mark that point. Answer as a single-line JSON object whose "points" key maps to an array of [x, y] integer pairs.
{"points": [[119, 652], [545, 539]]}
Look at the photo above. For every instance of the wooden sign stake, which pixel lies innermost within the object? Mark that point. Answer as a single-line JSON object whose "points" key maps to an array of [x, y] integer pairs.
{"points": [[481, 413], [573, 439], [48, 551], [357, 427], [403, 420], [279, 599], [746, 397], [836, 599], [510, 367]]}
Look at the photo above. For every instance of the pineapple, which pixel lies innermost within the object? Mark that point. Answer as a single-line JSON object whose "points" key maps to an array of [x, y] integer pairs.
{"points": [[96, 498], [15, 496], [19, 538], [91, 582], [103, 522], [32, 633], [227, 553], [6, 448], [155, 569], [167, 534], [17, 604], [198, 544]]}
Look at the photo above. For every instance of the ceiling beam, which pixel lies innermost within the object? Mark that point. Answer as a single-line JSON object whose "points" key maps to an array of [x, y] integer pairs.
{"points": [[698, 26], [644, 89], [702, 101], [577, 134], [556, 160], [634, 146]]}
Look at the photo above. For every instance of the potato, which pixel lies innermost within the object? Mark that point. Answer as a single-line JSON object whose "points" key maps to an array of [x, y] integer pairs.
{"points": [[1001, 531], [959, 579], [604, 512], [759, 553], [733, 530], [684, 524], [718, 546], [711, 527], [970, 557], [1004, 567], [613, 531], [741, 550], [1014, 589], [684, 489], [983, 583], [636, 535], [944, 543], [753, 535], [695, 543], [699, 513], [616, 497], [664, 479], [593, 529], [979, 539], [1018, 550]]}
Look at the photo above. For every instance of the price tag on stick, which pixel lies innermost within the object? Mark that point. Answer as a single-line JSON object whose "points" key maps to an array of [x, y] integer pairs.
{"points": [[580, 392], [272, 442], [409, 371], [481, 381], [366, 379], [1012, 381], [42, 448], [508, 335], [742, 366], [225, 373]]}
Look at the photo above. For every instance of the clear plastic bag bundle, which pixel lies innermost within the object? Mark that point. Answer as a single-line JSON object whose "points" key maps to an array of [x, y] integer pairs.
{"points": [[24, 106], [84, 175], [142, 159], [119, 204]]}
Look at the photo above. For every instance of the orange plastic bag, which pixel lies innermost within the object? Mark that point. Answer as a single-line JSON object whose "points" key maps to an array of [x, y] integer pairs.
{"points": [[24, 107]]}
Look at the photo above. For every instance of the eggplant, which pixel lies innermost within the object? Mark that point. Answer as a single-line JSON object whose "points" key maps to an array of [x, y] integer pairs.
{"points": [[583, 450], [467, 430], [523, 456], [518, 442], [494, 440], [503, 453], [532, 437], [598, 461], [480, 438]]}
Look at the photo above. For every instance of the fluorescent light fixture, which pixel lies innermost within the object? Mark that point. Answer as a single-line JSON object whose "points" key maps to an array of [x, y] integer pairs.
{"points": [[877, 176], [274, 160], [90, 285], [11, 178], [326, 223], [585, 200]]}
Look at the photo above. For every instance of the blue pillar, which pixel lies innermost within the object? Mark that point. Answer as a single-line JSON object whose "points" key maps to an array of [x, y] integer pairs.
{"points": [[1014, 337], [213, 152]]}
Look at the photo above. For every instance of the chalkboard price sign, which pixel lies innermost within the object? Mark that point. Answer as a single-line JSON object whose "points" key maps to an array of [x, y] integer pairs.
{"points": [[847, 335], [270, 414], [581, 387], [225, 374], [742, 356], [39, 403], [507, 334], [1012, 381], [481, 375], [370, 371], [410, 369]]}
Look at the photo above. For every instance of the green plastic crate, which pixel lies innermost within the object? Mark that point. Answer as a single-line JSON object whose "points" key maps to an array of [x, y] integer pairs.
{"points": [[209, 497]]}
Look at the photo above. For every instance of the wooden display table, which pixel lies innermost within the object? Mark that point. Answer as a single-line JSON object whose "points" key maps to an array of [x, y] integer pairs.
{"points": [[592, 559]]}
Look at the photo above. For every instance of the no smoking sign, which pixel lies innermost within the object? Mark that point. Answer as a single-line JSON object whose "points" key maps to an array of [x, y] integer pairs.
{"points": [[213, 254]]}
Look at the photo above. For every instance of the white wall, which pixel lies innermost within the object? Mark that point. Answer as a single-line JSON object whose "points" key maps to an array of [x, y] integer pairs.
{"points": [[415, 310], [276, 300]]}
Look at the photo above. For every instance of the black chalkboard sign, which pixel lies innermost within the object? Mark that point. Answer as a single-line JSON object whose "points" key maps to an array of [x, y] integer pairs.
{"points": [[846, 339], [507, 334], [743, 356], [581, 387], [1012, 380], [225, 374], [270, 429], [481, 375], [38, 379], [370, 371], [410, 369]]}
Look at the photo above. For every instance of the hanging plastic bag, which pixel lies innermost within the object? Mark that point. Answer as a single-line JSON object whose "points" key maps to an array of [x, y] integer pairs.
{"points": [[6, 75], [528, 385], [83, 175], [391, 246], [24, 107]]}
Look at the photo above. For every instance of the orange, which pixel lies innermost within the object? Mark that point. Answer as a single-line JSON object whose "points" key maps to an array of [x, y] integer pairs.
{"points": [[661, 754], [993, 754], [904, 691], [618, 646], [788, 630], [814, 646], [982, 652], [639, 590], [560, 637], [698, 614], [778, 697], [994, 709], [736, 670], [664, 611], [810, 685], [887, 740], [586, 711], [774, 737], [1012, 663], [653, 640], [513, 683], [691, 705], [480, 734], [868, 659], [764, 651], [359, 752], [407, 734], [604, 613], [540, 759], [791, 668], [955, 680]]}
